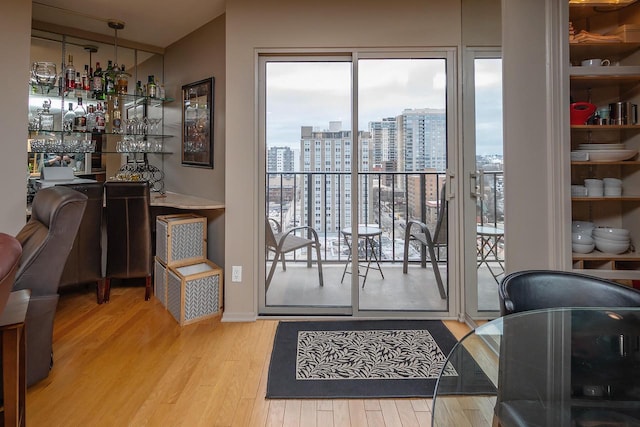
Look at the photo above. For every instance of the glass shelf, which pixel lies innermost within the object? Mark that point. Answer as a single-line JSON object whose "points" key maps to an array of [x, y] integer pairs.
{"points": [[129, 99], [56, 133], [107, 152]]}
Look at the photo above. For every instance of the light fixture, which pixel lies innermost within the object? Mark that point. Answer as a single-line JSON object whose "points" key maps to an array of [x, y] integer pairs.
{"points": [[116, 25]]}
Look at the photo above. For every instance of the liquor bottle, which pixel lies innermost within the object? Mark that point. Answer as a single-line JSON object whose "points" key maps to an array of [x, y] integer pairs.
{"points": [[122, 81], [78, 83], [85, 79], [68, 119], [70, 76], [91, 118], [98, 88], [117, 117], [109, 79], [46, 118], [160, 90], [152, 91], [80, 120], [100, 119]]}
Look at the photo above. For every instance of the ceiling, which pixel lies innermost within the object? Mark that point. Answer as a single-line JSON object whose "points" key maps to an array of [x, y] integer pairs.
{"points": [[155, 22]]}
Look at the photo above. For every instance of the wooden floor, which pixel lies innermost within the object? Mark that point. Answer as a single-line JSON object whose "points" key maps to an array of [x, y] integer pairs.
{"points": [[128, 363]]}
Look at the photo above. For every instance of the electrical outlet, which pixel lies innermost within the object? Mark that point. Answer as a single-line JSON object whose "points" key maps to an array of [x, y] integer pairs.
{"points": [[236, 273]]}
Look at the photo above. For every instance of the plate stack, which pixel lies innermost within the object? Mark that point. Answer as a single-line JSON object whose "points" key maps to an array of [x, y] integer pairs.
{"points": [[606, 152], [611, 240]]}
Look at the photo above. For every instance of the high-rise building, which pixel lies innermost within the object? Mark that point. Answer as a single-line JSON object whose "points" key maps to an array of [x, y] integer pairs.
{"points": [[280, 160], [422, 140], [326, 194], [384, 140]]}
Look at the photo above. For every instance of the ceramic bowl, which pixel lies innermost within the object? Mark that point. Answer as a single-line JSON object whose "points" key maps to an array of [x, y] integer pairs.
{"points": [[582, 248], [581, 226], [608, 232], [583, 238], [606, 246]]}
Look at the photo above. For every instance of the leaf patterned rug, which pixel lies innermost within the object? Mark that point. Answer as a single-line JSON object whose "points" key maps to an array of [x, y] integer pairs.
{"points": [[360, 359]]}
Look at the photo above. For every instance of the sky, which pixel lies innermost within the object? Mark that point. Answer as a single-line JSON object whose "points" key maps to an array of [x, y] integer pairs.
{"points": [[315, 93]]}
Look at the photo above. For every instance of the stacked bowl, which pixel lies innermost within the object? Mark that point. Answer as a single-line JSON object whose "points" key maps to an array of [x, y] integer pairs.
{"points": [[582, 241], [612, 187], [611, 240], [595, 187]]}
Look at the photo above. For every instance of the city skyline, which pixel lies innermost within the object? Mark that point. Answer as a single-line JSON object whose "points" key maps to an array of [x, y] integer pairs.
{"points": [[387, 87]]}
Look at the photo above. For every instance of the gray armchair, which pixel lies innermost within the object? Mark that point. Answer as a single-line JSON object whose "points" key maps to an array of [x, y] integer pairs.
{"points": [[281, 242], [417, 231], [46, 240]]}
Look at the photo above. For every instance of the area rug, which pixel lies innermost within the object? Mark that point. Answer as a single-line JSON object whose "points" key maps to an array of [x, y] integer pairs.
{"points": [[365, 359]]}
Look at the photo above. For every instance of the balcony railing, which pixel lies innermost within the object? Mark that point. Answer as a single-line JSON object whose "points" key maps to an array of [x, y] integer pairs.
{"points": [[387, 199]]}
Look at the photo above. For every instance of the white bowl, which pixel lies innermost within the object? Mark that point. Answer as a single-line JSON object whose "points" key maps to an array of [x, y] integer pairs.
{"points": [[600, 240], [593, 182], [583, 238], [595, 191], [612, 182], [582, 248], [616, 192], [605, 246], [607, 232], [582, 226]]}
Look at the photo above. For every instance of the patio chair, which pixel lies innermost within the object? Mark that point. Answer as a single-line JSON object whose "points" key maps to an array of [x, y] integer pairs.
{"points": [[282, 242], [419, 232]]}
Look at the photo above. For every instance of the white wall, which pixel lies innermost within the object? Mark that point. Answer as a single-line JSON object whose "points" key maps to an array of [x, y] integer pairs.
{"points": [[253, 24], [15, 39], [197, 56]]}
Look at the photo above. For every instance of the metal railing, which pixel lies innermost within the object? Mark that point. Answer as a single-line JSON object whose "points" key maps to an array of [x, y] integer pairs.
{"points": [[388, 199]]}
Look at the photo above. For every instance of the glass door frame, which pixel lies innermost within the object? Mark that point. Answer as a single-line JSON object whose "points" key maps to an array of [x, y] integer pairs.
{"points": [[452, 140], [469, 182], [449, 54]]}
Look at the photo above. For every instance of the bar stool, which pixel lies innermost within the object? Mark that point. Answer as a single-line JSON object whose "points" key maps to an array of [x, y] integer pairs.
{"points": [[84, 264], [128, 222]]}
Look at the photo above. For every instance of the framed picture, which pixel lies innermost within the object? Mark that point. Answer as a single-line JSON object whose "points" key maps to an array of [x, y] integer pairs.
{"points": [[197, 119]]}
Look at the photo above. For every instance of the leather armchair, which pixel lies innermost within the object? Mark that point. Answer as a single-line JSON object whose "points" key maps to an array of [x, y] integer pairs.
{"points": [[84, 264], [10, 252], [46, 240]]}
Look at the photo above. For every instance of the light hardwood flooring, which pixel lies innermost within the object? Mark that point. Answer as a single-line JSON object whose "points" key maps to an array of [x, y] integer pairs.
{"points": [[128, 363]]}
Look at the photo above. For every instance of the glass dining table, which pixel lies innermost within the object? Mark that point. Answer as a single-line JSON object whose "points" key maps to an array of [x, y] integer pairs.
{"points": [[573, 367]]}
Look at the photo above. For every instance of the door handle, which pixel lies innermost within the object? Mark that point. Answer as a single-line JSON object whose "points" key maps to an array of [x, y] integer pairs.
{"points": [[477, 184], [449, 194]]}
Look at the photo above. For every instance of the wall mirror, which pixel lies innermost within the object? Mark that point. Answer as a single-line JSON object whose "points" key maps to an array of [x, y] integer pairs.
{"points": [[197, 119]]}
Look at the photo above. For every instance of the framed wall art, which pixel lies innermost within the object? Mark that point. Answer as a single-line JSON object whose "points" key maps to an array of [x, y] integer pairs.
{"points": [[197, 119]]}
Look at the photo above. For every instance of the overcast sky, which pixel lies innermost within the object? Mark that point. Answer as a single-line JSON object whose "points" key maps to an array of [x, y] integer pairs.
{"points": [[315, 93]]}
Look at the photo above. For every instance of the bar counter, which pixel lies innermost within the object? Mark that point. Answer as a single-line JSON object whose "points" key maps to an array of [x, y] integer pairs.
{"points": [[184, 201]]}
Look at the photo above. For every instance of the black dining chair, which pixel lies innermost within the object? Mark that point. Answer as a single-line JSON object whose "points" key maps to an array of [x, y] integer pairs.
{"points": [[535, 289], [528, 384]]}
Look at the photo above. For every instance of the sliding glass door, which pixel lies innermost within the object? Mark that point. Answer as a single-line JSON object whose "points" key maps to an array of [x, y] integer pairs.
{"points": [[402, 122], [484, 223], [355, 150]]}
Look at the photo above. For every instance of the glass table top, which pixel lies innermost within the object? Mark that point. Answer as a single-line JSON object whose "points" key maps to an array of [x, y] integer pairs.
{"points": [[574, 367]]}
